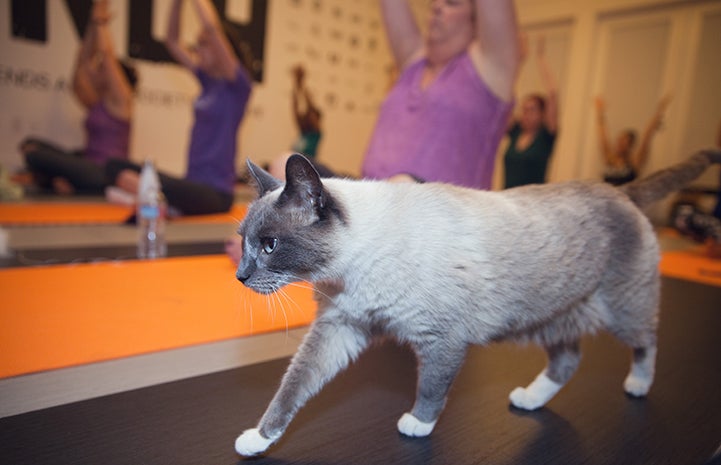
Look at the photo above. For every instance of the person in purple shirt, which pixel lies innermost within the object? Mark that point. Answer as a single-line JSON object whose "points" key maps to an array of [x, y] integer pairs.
{"points": [[218, 62], [445, 116], [104, 86]]}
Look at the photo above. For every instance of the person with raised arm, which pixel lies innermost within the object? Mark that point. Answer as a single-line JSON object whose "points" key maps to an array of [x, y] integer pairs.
{"points": [[219, 61], [447, 112], [104, 86], [532, 134]]}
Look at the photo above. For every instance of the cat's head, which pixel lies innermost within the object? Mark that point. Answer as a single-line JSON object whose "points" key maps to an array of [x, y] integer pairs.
{"points": [[288, 233]]}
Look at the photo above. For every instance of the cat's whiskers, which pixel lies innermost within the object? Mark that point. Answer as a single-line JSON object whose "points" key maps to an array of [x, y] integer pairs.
{"points": [[280, 295], [247, 309], [290, 300], [269, 307], [304, 284], [273, 298]]}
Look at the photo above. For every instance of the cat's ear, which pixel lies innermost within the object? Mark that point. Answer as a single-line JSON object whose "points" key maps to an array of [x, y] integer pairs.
{"points": [[302, 183], [264, 181]]}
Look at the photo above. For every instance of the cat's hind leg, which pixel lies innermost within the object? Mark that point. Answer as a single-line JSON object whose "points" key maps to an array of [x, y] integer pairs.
{"points": [[640, 378], [563, 359], [635, 323], [641, 336]]}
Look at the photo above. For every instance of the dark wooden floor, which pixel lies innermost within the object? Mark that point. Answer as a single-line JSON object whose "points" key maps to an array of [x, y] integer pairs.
{"points": [[591, 421]]}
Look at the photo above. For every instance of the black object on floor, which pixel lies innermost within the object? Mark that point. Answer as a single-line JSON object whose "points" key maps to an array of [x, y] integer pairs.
{"points": [[352, 421]]}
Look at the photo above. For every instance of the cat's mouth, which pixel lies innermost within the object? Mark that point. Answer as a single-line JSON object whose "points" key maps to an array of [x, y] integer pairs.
{"points": [[263, 286], [263, 289]]}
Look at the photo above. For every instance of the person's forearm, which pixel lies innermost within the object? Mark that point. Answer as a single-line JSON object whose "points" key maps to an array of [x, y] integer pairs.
{"points": [[87, 47], [497, 32], [402, 32], [206, 14], [547, 76], [103, 42], [602, 131], [172, 35]]}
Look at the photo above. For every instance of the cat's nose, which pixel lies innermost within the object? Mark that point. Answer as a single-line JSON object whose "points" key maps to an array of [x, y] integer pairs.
{"points": [[245, 270], [242, 277]]}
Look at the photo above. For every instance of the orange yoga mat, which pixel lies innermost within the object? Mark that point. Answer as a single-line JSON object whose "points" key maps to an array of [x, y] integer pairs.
{"points": [[235, 215], [65, 315], [58, 213], [50, 213], [691, 265], [58, 316]]}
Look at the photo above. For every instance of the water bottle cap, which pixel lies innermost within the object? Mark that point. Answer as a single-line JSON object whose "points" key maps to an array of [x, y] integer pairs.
{"points": [[149, 184]]}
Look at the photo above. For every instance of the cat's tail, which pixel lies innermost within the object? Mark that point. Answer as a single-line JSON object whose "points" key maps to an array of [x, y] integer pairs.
{"points": [[646, 191]]}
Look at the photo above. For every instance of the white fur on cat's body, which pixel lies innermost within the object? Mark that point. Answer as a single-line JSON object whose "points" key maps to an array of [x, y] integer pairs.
{"points": [[441, 267], [435, 228]]}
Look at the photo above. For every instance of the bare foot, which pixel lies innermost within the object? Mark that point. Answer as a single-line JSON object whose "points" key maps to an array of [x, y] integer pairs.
{"points": [[128, 180], [24, 178], [62, 186]]}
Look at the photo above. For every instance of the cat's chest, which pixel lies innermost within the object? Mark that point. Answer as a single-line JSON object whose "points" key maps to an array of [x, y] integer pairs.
{"points": [[398, 319]]}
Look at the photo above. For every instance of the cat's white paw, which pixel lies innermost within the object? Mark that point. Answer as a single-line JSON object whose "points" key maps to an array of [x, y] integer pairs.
{"points": [[251, 443], [637, 386], [536, 394], [522, 398], [413, 427]]}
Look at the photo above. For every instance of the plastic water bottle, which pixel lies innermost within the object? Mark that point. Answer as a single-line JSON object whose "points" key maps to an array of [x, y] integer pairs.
{"points": [[150, 214]]}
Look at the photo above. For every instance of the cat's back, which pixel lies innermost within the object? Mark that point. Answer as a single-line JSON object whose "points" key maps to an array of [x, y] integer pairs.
{"points": [[441, 208], [529, 227], [594, 212], [410, 208]]}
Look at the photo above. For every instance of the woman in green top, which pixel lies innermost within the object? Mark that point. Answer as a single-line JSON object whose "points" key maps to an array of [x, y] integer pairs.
{"points": [[533, 133]]}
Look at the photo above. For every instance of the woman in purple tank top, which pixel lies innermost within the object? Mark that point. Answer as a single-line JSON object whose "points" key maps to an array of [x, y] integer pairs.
{"points": [[104, 86], [220, 65], [445, 116]]}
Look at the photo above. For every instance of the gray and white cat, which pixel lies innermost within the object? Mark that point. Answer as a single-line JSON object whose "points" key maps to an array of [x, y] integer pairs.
{"points": [[440, 267]]}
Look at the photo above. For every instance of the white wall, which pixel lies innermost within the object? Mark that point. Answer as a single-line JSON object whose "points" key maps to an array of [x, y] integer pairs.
{"points": [[341, 44], [631, 51]]}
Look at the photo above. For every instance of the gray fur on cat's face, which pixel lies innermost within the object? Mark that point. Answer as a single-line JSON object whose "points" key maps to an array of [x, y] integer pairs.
{"points": [[284, 231]]}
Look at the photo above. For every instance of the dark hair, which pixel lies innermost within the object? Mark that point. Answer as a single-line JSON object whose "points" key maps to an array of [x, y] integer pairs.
{"points": [[631, 134], [130, 73], [240, 47], [540, 101]]}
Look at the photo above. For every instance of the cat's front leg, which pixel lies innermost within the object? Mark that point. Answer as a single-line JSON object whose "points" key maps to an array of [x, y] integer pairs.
{"points": [[327, 348], [439, 363]]}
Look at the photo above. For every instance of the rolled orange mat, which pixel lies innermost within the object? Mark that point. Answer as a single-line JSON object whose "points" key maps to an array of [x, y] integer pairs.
{"points": [[691, 265], [235, 215], [57, 213], [47, 213], [59, 316]]}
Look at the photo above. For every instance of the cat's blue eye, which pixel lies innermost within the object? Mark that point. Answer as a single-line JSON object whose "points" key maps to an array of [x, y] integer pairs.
{"points": [[269, 244]]}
